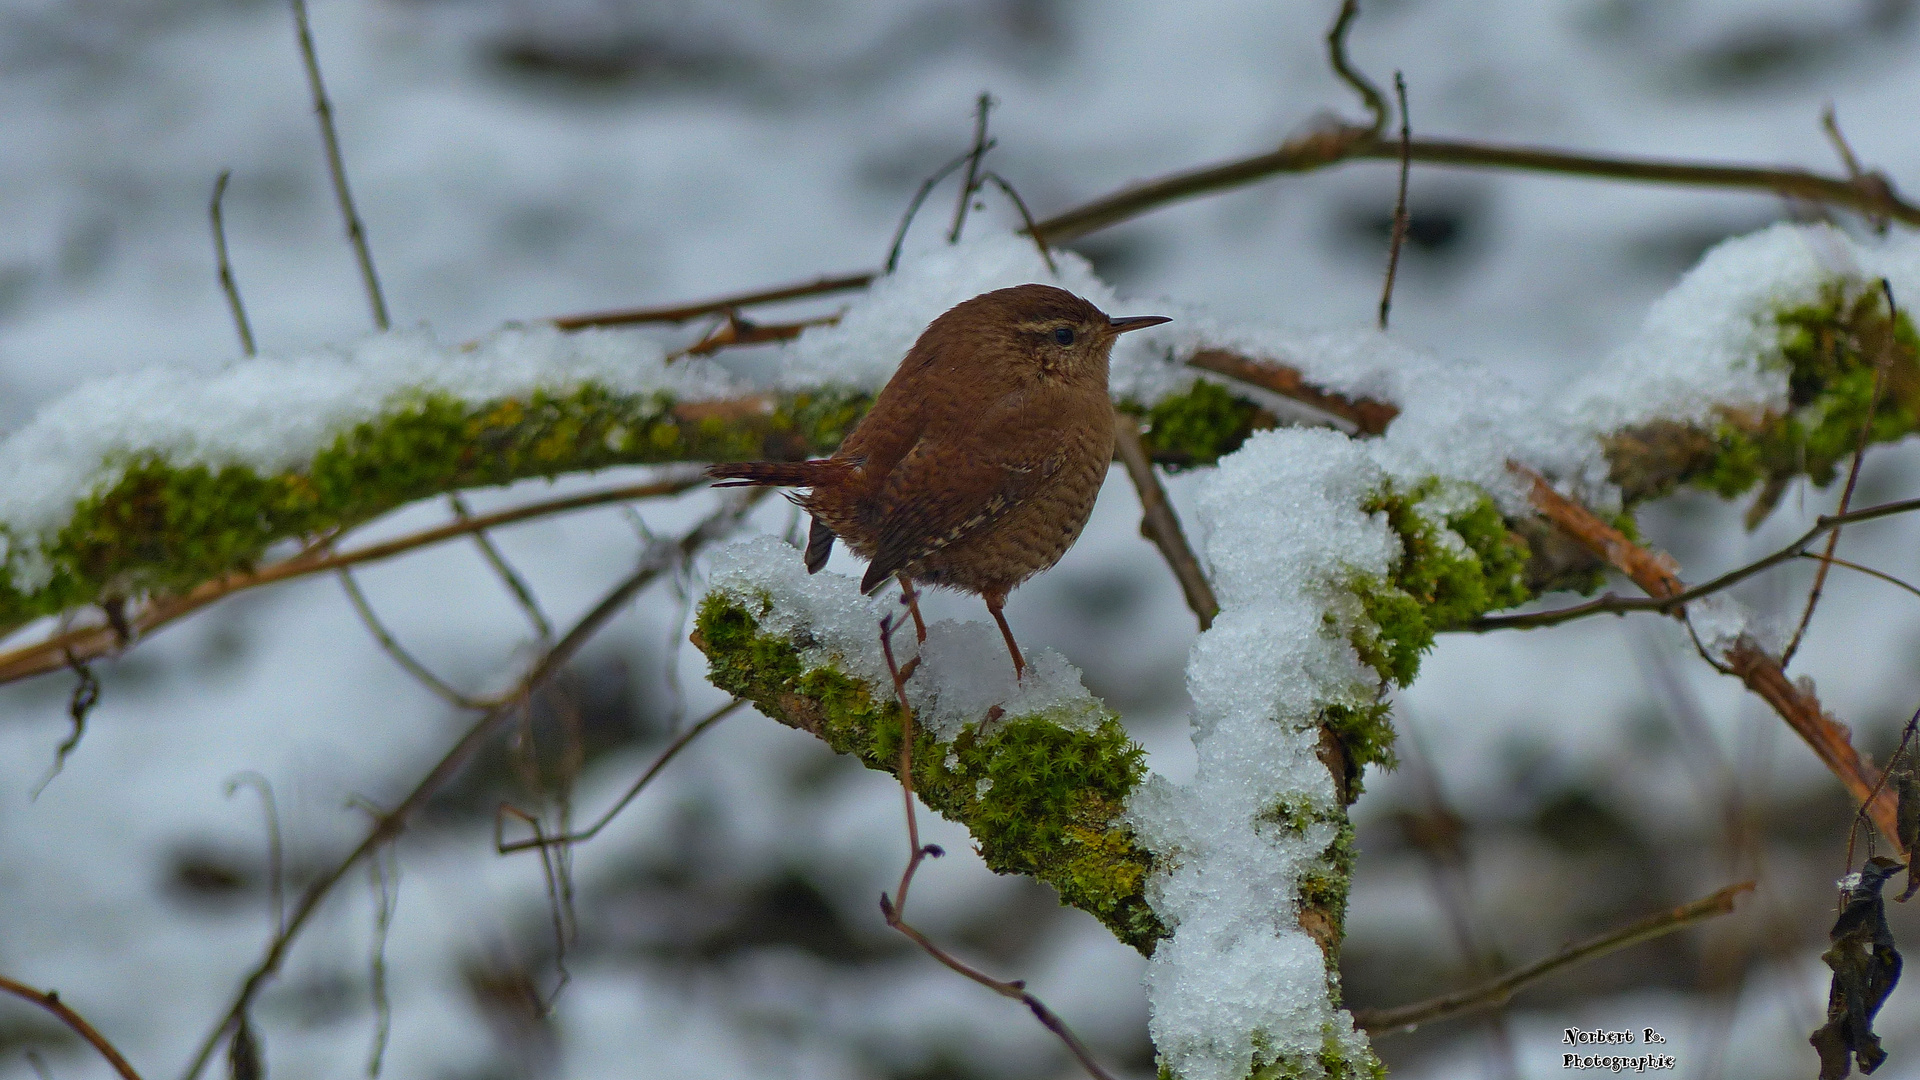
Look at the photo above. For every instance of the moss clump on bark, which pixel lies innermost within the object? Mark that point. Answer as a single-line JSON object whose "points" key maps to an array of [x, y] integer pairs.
{"points": [[1040, 798], [165, 526]]}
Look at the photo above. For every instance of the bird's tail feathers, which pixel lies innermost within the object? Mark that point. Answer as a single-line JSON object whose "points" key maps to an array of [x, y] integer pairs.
{"points": [[781, 473]]}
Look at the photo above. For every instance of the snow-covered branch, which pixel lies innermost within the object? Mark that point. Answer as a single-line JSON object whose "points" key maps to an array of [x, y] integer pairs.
{"points": [[1335, 558]]}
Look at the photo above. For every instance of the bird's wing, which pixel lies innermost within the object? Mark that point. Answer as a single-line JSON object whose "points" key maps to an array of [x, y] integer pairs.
{"points": [[946, 489]]}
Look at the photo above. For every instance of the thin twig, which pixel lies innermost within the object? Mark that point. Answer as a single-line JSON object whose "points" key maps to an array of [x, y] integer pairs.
{"points": [[276, 858], [385, 881], [1831, 124], [508, 576], [1032, 230], [659, 558], [680, 313], [1400, 202], [736, 331], [971, 182], [337, 168], [503, 847], [50, 1001], [1867, 570], [398, 652], [1880, 366], [894, 908], [1159, 523], [86, 694], [1498, 991], [225, 267], [1620, 605], [1859, 816], [913, 208], [1337, 56], [95, 641]]}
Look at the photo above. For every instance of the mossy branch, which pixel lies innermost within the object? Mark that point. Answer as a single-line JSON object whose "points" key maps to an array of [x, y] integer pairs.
{"points": [[1040, 798]]}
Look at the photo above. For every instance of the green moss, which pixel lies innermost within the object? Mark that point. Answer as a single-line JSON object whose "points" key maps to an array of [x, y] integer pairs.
{"points": [[164, 526], [1339, 1058], [1040, 799], [1455, 564], [1366, 731], [1829, 350], [1199, 426]]}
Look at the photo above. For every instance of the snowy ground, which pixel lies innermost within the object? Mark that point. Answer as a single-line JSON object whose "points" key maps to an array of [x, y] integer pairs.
{"points": [[515, 161]]}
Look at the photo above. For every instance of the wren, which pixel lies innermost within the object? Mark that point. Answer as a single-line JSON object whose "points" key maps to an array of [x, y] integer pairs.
{"points": [[979, 462]]}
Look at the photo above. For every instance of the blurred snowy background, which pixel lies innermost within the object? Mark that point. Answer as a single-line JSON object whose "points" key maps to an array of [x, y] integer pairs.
{"points": [[516, 159]]}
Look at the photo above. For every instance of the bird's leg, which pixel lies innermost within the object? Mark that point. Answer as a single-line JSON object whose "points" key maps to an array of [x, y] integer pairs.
{"points": [[912, 600], [995, 601]]}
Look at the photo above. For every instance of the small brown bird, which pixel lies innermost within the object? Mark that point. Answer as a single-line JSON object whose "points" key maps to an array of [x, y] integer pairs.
{"points": [[978, 464]]}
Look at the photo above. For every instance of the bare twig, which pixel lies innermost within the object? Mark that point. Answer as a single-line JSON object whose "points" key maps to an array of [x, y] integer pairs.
{"points": [[680, 313], [1498, 991], [225, 266], [1159, 523], [504, 847], [398, 652], [1400, 202], [508, 576], [738, 331], [658, 558], [1867, 570], [384, 877], [50, 1001], [1880, 366], [91, 642], [276, 859], [1831, 124], [1860, 815], [894, 908], [86, 694], [337, 168], [1032, 230], [913, 208], [1620, 605], [971, 182], [1337, 56]]}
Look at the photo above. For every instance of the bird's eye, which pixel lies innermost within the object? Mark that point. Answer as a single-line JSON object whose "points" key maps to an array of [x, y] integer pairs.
{"points": [[1064, 335]]}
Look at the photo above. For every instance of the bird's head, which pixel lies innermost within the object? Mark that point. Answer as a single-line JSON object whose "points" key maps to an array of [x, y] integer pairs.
{"points": [[1033, 327]]}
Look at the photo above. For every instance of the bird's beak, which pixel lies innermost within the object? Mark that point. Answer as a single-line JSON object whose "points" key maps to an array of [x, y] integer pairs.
{"points": [[1134, 322]]}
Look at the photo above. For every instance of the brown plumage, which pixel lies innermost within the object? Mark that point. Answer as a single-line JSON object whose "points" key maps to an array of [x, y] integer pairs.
{"points": [[979, 462]]}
